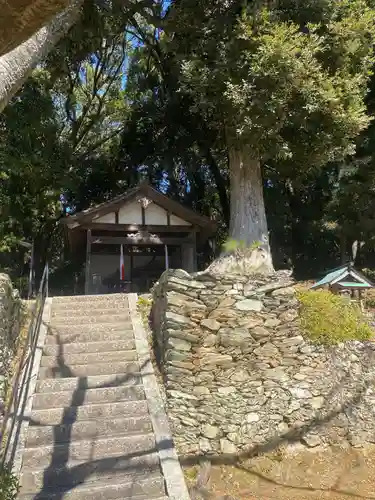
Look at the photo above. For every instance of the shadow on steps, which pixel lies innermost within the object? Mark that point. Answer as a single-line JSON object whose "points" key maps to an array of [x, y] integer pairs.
{"points": [[136, 473]]}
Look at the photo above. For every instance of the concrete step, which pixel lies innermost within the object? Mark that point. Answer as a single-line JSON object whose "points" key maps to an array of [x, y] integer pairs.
{"points": [[89, 347], [149, 488], [88, 358], [97, 335], [110, 326], [69, 454], [104, 368], [122, 317], [90, 305], [87, 429], [93, 382], [81, 299], [93, 310], [80, 397], [57, 416], [89, 472]]}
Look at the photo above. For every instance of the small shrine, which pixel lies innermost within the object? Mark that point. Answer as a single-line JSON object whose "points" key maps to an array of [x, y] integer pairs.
{"points": [[345, 280]]}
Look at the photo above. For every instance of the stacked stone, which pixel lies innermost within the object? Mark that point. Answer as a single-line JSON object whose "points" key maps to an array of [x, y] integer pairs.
{"points": [[10, 317], [239, 374]]}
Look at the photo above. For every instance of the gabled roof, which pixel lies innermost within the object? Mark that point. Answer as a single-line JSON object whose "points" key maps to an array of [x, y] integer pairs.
{"points": [[345, 276], [144, 189]]}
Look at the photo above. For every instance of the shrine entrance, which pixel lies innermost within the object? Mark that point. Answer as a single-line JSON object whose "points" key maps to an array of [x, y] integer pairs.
{"points": [[143, 266], [131, 240]]}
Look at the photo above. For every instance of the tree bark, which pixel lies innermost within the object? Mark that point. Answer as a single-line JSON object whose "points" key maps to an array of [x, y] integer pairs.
{"points": [[220, 185], [248, 222], [16, 66], [20, 19], [343, 245]]}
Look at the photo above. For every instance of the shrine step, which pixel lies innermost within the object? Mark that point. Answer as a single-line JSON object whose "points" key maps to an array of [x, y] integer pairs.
{"points": [[88, 358], [110, 325], [103, 334], [87, 429], [91, 435], [91, 382], [89, 347], [148, 488], [82, 451], [80, 397], [104, 368], [89, 472], [59, 322], [55, 416], [97, 310]]}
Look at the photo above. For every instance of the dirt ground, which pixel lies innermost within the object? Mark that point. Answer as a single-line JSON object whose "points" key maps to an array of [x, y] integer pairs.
{"points": [[332, 474]]}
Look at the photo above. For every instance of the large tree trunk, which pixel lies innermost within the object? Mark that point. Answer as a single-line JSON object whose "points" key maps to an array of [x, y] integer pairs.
{"points": [[16, 66], [20, 19], [249, 251]]}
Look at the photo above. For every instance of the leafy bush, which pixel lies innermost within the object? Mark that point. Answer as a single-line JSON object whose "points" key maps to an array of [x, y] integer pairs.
{"points": [[370, 298], [330, 319], [369, 273], [8, 484]]}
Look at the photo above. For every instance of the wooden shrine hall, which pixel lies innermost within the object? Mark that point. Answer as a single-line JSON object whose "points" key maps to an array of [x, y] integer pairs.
{"points": [[133, 238]]}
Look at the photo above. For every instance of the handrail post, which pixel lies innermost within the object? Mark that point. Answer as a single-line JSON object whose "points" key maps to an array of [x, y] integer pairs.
{"points": [[47, 279], [31, 273]]}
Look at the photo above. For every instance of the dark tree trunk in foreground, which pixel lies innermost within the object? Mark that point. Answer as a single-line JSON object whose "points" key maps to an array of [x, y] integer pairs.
{"points": [[220, 185], [16, 65]]}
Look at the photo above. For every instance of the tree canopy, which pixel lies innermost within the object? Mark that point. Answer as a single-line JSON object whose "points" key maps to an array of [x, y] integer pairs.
{"points": [[237, 109]]}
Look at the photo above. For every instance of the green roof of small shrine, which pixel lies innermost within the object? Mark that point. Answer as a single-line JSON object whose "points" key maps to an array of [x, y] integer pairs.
{"points": [[350, 284], [345, 276]]}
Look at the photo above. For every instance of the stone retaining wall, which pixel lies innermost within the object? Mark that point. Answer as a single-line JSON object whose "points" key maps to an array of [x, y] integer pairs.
{"points": [[10, 321], [239, 374]]}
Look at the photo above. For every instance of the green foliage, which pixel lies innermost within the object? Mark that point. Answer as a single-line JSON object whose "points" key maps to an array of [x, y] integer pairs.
{"points": [[291, 90], [144, 305], [33, 169], [370, 301], [370, 274], [329, 319], [287, 78], [282, 84], [9, 485], [59, 134], [232, 245], [144, 301], [370, 296]]}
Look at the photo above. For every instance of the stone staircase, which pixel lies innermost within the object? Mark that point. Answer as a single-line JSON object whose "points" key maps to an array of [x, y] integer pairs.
{"points": [[90, 435]]}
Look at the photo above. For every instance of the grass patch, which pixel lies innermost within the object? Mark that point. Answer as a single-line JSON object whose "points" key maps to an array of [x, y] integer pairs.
{"points": [[144, 305], [9, 485], [191, 473], [329, 319]]}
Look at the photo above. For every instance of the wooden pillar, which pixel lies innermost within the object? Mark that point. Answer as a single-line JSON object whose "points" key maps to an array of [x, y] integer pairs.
{"points": [[195, 263], [189, 256], [132, 288], [166, 257], [88, 263]]}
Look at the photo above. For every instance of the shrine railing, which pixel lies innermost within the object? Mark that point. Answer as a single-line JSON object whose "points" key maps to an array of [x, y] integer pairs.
{"points": [[16, 395]]}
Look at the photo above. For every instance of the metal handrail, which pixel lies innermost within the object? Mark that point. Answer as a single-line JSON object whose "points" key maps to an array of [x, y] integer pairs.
{"points": [[16, 398]]}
